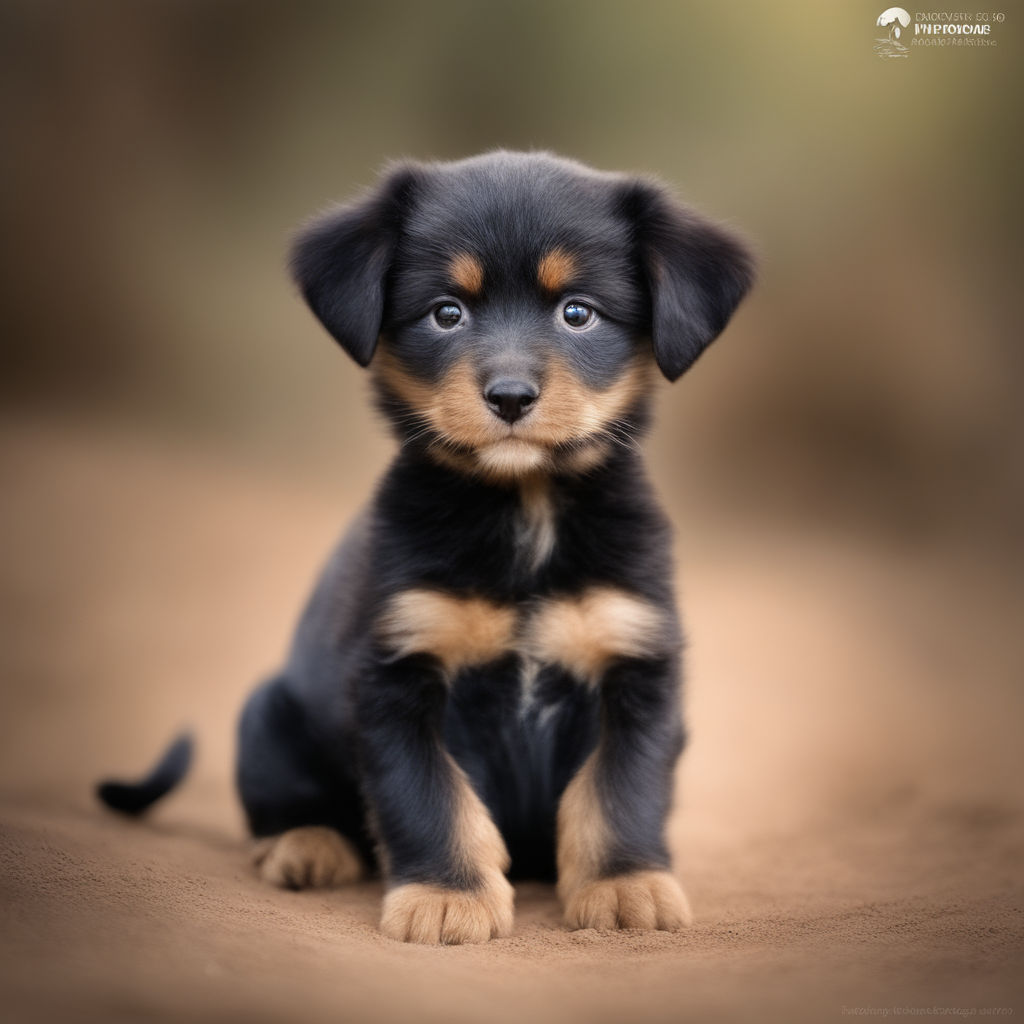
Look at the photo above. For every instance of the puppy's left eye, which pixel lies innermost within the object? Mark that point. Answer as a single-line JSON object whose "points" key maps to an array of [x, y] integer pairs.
{"points": [[576, 314]]}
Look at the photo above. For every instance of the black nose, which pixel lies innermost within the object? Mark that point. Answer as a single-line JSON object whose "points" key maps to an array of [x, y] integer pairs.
{"points": [[509, 399]]}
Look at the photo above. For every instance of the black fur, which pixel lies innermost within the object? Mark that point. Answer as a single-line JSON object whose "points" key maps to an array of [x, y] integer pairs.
{"points": [[353, 736], [136, 797]]}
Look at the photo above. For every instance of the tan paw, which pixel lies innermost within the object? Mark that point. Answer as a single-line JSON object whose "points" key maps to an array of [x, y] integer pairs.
{"points": [[428, 913], [645, 899], [308, 857]]}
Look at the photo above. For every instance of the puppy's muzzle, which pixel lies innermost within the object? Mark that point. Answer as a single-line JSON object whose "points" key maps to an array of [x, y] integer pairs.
{"points": [[510, 399]]}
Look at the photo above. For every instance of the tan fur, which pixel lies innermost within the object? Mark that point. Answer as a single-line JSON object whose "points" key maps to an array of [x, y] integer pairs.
{"points": [[555, 270], [587, 457], [572, 411], [567, 411], [459, 411], [582, 634], [394, 377], [467, 273], [309, 857], [458, 631], [476, 841], [432, 914], [455, 407], [512, 459], [643, 899], [583, 834]]}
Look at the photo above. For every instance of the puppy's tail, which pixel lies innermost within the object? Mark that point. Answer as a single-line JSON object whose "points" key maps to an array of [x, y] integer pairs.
{"points": [[135, 797]]}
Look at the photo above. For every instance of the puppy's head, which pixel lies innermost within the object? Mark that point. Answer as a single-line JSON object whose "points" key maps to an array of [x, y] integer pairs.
{"points": [[514, 306]]}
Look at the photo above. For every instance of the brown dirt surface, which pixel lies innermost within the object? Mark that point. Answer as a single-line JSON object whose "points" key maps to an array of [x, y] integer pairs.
{"points": [[850, 829]]}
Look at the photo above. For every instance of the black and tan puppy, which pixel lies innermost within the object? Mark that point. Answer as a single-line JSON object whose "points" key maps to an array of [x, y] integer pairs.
{"points": [[486, 681]]}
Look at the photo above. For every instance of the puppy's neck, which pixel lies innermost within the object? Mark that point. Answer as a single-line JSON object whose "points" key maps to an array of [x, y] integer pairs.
{"points": [[536, 525]]}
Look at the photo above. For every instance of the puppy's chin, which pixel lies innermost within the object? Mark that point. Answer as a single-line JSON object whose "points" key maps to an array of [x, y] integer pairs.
{"points": [[512, 458]]}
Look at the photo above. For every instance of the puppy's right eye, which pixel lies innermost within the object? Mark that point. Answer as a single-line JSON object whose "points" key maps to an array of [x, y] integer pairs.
{"points": [[447, 315], [576, 314]]}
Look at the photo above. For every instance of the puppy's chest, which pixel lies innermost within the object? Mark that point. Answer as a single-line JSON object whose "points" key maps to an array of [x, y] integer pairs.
{"points": [[532, 585], [580, 633]]}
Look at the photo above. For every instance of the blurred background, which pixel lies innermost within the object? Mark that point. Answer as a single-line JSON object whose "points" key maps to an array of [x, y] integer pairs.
{"points": [[158, 155], [180, 443]]}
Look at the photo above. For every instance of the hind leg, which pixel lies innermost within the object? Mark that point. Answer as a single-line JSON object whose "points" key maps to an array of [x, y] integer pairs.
{"points": [[303, 807], [312, 856]]}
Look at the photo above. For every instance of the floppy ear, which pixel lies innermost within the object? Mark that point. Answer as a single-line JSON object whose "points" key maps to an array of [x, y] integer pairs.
{"points": [[697, 273], [341, 259]]}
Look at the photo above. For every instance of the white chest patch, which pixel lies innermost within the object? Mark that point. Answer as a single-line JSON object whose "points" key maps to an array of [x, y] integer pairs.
{"points": [[529, 669]]}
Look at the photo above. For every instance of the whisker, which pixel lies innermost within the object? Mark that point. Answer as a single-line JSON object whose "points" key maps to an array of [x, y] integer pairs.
{"points": [[416, 436], [620, 435]]}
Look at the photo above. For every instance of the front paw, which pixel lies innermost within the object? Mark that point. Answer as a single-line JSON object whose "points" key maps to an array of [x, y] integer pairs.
{"points": [[432, 914], [644, 899]]}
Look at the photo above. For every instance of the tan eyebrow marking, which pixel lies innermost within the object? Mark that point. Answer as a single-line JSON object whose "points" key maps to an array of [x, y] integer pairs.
{"points": [[556, 269], [467, 273]]}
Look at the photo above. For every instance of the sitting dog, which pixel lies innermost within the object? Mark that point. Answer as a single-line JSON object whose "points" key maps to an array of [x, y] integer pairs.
{"points": [[486, 680]]}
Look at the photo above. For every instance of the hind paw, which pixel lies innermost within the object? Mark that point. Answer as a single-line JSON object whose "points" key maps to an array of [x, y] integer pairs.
{"points": [[309, 857]]}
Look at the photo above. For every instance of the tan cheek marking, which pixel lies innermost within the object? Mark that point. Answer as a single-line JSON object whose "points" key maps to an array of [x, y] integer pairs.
{"points": [[454, 406], [569, 409], [555, 270], [458, 410], [583, 833], [458, 631], [393, 378], [467, 273], [583, 634]]}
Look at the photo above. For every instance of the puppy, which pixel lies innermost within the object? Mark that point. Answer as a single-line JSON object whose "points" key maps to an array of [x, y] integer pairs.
{"points": [[486, 680]]}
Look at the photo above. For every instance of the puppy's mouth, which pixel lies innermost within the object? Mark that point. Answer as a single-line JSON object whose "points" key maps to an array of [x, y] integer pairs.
{"points": [[516, 453], [566, 426]]}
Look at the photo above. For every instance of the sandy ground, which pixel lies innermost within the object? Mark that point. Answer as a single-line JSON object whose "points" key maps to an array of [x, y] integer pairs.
{"points": [[850, 828]]}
